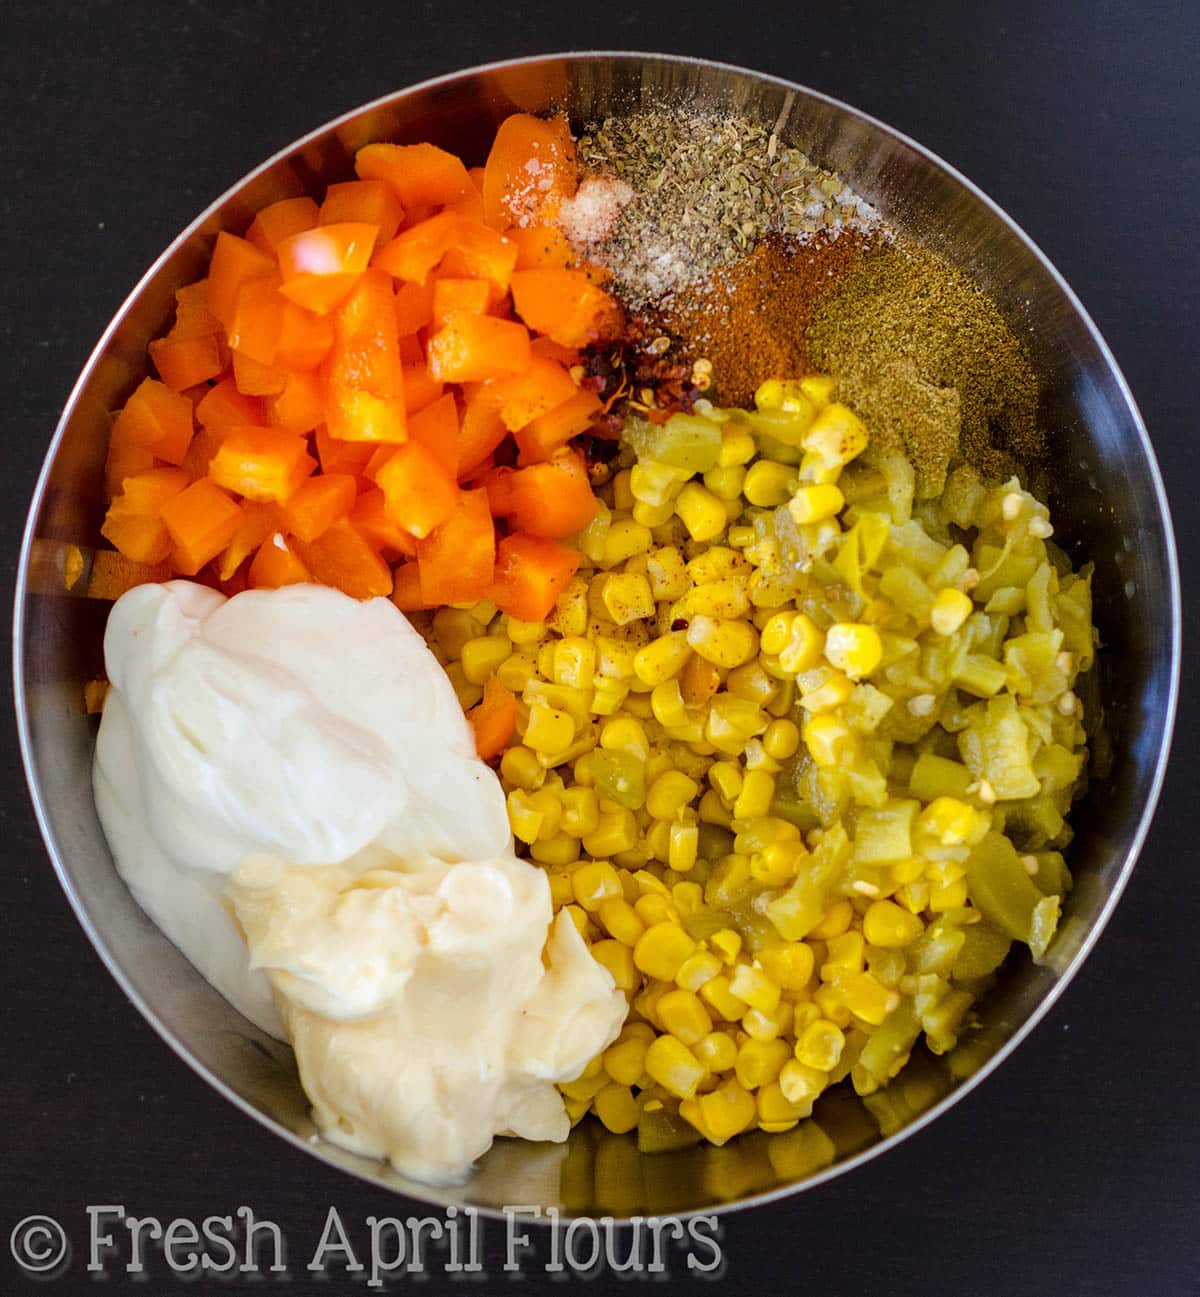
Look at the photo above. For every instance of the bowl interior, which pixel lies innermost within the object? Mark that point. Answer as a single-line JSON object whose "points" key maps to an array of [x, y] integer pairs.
{"points": [[1107, 504]]}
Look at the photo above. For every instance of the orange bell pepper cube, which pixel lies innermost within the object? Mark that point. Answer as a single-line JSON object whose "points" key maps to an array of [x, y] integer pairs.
{"points": [[304, 338], [261, 463], [533, 392], [281, 221], [436, 428], [420, 492], [413, 253], [469, 207], [205, 445], [253, 378], [193, 319], [530, 169], [277, 564], [319, 267], [406, 591], [473, 348], [420, 389], [477, 252], [201, 521], [318, 503], [563, 304], [234, 261], [364, 380], [254, 325], [300, 407], [497, 482], [184, 362], [568, 357], [481, 431], [134, 524], [124, 461], [342, 456], [540, 438], [224, 406], [531, 572], [457, 560], [421, 175], [553, 499], [342, 556], [367, 201], [256, 524], [541, 247], [494, 720], [157, 419], [414, 307], [371, 518], [458, 297]]}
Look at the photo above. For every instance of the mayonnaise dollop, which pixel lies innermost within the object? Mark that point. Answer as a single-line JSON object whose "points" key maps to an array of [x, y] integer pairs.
{"points": [[310, 748]]}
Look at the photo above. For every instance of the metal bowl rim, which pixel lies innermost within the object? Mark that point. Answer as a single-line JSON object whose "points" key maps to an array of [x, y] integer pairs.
{"points": [[964, 1087]]}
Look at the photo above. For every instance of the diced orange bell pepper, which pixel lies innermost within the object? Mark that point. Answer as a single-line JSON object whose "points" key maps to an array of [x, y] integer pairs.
{"points": [[280, 221], [541, 247], [342, 456], [497, 482], [224, 407], [368, 201], [568, 357], [134, 524], [193, 319], [364, 380], [201, 521], [531, 572], [420, 389], [205, 445], [533, 392], [494, 720], [530, 169], [477, 252], [458, 296], [539, 439], [412, 352], [457, 560], [469, 206], [371, 517], [421, 175], [253, 378], [481, 431], [261, 463], [277, 564], [436, 428], [234, 261], [564, 305], [125, 461], [319, 267], [300, 407], [341, 556], [473, 348], [184, 362], [304, 338], [157, 419], [257, 523], [255, 323], [406, 592], [553, 499], [318, 503], [413, 253], [420, 492], [414, 306]]}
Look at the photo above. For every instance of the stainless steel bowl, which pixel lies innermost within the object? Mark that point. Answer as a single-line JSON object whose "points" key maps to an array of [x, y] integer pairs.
{"points": [[1108, 505]]}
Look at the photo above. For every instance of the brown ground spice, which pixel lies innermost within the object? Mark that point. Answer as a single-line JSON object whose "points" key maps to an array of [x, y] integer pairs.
{"points": [[749, 320]]}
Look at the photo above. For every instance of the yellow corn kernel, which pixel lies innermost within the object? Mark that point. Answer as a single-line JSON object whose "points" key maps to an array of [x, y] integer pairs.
{"points": [[654, 482], [667, 574], [725, 482], [853, 648], [754, 800], [524, 633], [662, 658], [578, 917], [717, 1051], [674, 1067], [561, 891], [750, 682], [767, 1026], [569, 615], [666, 704], [618, 959], [669, 794], [683, 846], [741, 536], [616, 831], [661, 950], [776, 864], [950, 609], [804, 646], [800, 1083], [614, 658], [781, 739], [737, 445], [583, 1088], [759, 1062], [789, 964], [622, 489], [886, 924], [581, 811], [703, 514], [948, 896], [724, 1112], [524, 818], [768, 483], [836, 436], [625, 734], [653, 515], [655, 907], [682, 1014], [776, 631], [625, 1059], [608, 695], [453, 627], [558, 850], [697, 969], [726, 778], [723, 643], [819, 388], [844, 955], [727, 943], [952, 822], [867, 998], [574, 662], [516, 671], [755, 987], [825, 691], [549, 730], [519, 766], [806, 1012], [821, 1045], [626, 538], [626, 597], [595, 883], [816, 503], [617, 1108], [829, 740], [621, 920], [688, 899], [776, 1113], [712, 810], [468, 694], [716, 993]]}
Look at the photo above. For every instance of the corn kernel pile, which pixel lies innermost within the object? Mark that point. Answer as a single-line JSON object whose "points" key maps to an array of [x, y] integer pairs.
{"points": [[795, 752]]}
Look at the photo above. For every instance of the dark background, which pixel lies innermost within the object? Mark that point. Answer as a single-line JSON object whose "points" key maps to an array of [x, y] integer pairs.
{"points": [[1075, 1170]]}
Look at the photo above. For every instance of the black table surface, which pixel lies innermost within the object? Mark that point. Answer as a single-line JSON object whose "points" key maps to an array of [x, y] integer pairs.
{"points": [[1075, 1169]]}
